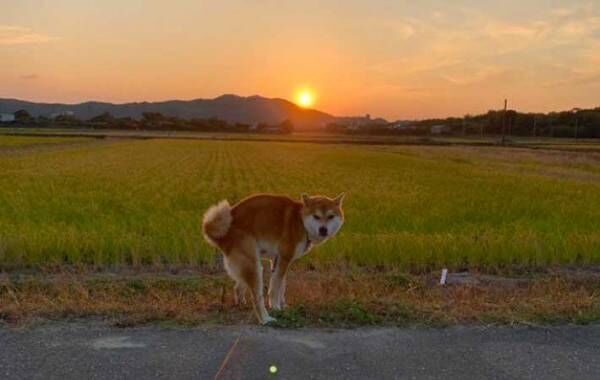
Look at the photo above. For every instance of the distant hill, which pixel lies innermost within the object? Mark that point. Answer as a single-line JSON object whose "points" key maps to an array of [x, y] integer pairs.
{"points": [[232, 108]]}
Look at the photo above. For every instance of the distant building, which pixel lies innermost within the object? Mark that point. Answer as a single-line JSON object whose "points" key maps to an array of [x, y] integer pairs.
{"points": [[356, 122], [272, 129], [7, 117], [439, 129], [400, 125], [62, 113]]}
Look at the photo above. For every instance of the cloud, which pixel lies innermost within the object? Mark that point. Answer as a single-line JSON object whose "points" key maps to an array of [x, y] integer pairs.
{"points": [[562, 12], [404, 30], [572, 77], [500, 30], [29, 77], [547, 49], [400, 29], [16, 35], [467, 74]]}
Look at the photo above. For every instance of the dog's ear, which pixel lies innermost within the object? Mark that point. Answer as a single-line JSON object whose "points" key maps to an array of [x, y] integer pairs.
{"points": [[338, 200], [305, 199]]}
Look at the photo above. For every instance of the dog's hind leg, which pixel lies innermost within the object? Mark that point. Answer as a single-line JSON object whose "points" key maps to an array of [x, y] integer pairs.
{"points": [[239, 293], [244, 266]]}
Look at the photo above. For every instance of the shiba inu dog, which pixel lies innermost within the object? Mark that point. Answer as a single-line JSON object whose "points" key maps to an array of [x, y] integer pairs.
{"points": [[272, 226]]}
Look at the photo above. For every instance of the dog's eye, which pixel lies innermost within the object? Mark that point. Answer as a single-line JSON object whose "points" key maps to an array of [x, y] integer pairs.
{"points": [[316, 217], [330, 217]]}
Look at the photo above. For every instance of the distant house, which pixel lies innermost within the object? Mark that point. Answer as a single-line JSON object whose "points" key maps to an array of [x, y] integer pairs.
{"points": [[357, 122], [439, 129], [402, 125], [271, 129], [7, 117], [62, 113]]}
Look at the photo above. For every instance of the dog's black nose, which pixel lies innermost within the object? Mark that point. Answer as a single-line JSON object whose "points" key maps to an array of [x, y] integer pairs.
{"points": [[323, 231]]}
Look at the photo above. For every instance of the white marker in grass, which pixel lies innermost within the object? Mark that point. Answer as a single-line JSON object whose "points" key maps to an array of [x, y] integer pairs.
{"points": [[444, 275]]}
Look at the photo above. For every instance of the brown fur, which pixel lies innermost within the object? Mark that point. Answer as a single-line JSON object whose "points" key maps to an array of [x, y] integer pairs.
{"points": [[267, 224]]}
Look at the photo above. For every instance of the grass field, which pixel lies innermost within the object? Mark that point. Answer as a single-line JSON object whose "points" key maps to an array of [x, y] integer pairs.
{"points": [[410, 207], [19, 141]]}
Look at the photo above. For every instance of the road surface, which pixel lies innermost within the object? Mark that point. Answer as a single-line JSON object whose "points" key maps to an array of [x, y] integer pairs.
{"points": [[91, 349]]}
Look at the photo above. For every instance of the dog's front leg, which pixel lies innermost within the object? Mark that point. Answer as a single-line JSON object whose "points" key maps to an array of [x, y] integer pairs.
{"points": [[277, 284]]}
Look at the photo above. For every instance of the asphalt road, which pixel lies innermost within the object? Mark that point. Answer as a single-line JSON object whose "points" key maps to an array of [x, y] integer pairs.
{"points": [[79, 350]]}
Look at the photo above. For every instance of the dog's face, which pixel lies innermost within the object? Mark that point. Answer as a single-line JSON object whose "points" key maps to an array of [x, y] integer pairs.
{"points": [[322, 216]]}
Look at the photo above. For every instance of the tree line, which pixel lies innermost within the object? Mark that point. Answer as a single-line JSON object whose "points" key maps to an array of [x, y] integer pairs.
{"points": [[578, 123], [150, 121]]}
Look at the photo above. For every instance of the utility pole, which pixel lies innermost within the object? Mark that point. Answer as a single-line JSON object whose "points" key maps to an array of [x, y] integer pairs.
{"points": [[534, 125], [575, 110], [504, 122]]}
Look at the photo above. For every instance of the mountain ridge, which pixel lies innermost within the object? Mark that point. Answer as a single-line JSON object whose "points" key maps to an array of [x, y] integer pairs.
{"points": [[229, 107]]}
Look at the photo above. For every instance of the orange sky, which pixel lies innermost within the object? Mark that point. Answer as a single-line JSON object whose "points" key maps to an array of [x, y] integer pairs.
{"points": [[396, 59]]}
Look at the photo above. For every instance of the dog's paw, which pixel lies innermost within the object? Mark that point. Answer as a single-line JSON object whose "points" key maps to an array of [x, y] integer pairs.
{"points": [[276, 307], [268, 319]]}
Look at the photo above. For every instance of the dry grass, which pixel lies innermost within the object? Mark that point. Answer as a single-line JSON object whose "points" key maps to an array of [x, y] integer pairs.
{"points": [[330, 298]]}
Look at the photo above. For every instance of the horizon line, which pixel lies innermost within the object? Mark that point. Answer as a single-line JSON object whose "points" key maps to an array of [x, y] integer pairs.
{"points": [[291, 102]]}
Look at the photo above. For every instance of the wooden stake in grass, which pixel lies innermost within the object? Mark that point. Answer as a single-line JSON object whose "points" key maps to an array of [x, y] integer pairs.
{"points": [[444, 276]]}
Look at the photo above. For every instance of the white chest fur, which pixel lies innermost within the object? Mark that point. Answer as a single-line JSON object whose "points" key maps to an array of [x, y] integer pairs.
{"points": [[270, 250]]}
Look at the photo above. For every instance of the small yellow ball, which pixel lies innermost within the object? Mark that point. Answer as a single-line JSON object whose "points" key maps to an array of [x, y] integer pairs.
{"points": [[273, 369]]}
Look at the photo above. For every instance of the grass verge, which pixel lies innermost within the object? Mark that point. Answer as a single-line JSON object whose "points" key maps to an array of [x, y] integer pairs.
{"points": [[334, 298]]}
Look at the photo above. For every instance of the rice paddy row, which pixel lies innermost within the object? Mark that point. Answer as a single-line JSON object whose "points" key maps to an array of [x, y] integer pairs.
{"points": [[139, 202], [18, 141]]}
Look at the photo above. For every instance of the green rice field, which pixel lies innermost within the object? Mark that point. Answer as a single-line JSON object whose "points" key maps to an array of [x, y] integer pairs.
{"points": [[138, 202], [18, 141]]}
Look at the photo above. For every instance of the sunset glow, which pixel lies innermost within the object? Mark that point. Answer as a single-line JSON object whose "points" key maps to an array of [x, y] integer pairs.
{"points": [[393, 59], [305, 99]]}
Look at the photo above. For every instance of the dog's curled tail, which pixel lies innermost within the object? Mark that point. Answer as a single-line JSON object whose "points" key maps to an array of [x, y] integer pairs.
{"points": [[216, 222]]}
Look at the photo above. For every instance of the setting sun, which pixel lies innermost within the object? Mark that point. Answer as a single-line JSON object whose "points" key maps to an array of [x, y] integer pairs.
{"points": [[305, 98]]}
